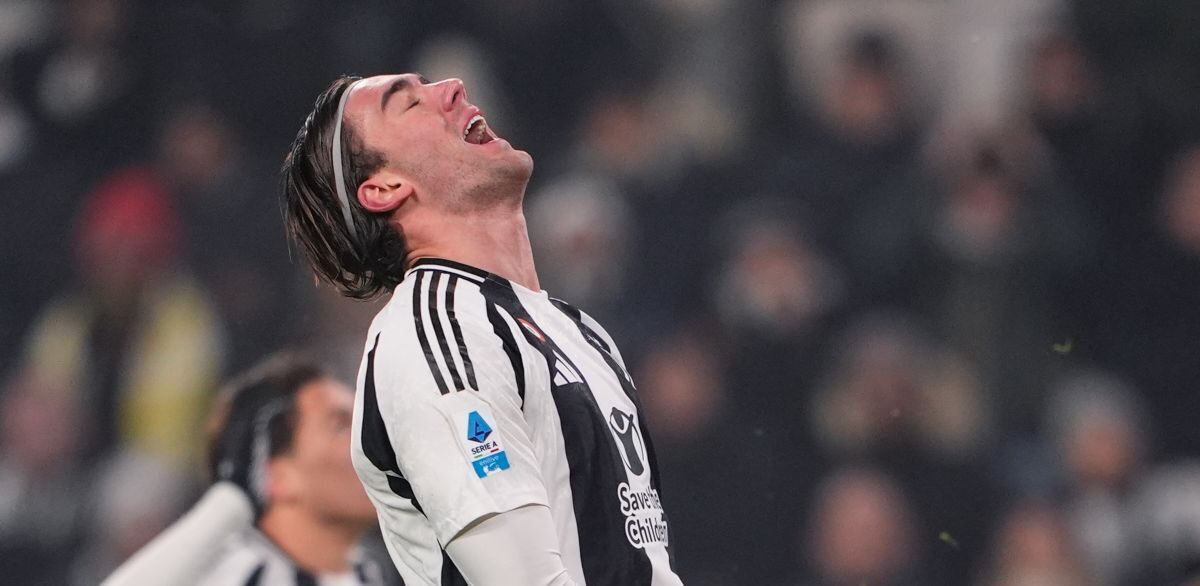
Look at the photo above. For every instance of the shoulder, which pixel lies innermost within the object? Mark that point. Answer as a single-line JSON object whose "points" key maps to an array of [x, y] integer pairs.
{"points": [[435, 331], [429, 294], [590, 326]]}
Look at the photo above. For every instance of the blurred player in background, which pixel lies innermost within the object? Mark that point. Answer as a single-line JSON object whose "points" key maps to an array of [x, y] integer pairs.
{"points": [[282, 432], [279, 446], [496, 428]]}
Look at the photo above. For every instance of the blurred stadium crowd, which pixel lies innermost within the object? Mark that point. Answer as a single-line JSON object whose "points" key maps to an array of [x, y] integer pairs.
{"points": [[911, 288]]}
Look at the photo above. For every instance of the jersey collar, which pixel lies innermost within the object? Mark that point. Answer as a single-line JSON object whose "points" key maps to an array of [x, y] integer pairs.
{"points": [[468, 271]]}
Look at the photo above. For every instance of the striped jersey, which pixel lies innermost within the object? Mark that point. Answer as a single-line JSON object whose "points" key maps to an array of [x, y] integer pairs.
{"points": [[477, 396], [250, 558]]}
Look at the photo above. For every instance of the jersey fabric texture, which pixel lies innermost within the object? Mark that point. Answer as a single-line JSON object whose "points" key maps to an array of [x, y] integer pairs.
{"points": [[251, 559], [477, 396]]}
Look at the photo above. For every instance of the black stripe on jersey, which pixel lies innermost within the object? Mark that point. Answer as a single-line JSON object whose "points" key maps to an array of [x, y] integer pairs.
{"points": [[439, 330], [403, 489], [304, 578], [627, 385], [509, 342], [458, 335], [595, 464], [376, 444], [256, 575], [419, 321]]}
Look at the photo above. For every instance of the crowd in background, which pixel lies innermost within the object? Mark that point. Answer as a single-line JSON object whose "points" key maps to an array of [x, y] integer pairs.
{"points": [[910, 288]]}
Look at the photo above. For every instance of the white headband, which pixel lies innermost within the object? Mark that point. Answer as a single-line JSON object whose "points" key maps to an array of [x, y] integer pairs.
{"points": [[260, 445], [338, 180]]}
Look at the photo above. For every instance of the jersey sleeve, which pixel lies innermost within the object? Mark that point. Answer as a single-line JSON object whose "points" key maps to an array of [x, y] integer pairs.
{"points": [[448, 397]]}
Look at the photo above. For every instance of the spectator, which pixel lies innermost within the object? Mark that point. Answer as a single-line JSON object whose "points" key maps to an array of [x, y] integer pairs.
{"points": [[42, 484], [710, 454], [997, 247], [623, 157], [862, 531], [1098, 429], [1034, 547], [1167, 521], [1135, 518], [895, 400], [82, 86], [775, 298], [137, 344], [234, 237], [581, 231], [849, 158]]}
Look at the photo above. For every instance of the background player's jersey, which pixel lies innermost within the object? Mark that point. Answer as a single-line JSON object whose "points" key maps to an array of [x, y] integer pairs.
{"points": [[478, 396], [251, 559]]}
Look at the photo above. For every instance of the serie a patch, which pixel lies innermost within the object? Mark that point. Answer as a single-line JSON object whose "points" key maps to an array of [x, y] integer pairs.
{"points": [[481, 442]]}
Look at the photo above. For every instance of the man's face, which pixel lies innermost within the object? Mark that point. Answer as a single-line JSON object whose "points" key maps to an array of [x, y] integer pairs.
{"points": [[434, 138], [327, 484]]}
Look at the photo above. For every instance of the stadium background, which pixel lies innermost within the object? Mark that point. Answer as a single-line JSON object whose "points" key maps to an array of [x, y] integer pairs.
{"points": [[911, 288]]}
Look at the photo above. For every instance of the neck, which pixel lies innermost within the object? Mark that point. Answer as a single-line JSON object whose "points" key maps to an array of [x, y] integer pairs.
{"points": [[317, 546], [495, 241]]}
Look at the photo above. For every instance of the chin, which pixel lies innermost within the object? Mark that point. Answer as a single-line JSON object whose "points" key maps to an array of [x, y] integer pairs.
{"points": [[358, 517], [366, 521], [523, 165], [510, 174], [520, 162]]}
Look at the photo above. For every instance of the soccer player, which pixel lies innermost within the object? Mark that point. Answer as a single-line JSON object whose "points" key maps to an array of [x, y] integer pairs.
{"points": [[496, 428], [280, 448]]}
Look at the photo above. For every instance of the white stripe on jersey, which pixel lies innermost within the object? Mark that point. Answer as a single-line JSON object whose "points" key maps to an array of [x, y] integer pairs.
{"points": [[553, 419]]}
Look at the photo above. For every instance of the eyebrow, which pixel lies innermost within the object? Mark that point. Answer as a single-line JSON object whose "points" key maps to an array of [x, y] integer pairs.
{"points": [[404, 82]]}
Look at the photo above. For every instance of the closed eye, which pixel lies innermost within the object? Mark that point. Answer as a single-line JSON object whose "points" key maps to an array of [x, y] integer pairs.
{"points": [[412, 105]]}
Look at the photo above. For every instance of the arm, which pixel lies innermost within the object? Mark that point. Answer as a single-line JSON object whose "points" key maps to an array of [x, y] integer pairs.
{"points": [[182, 555], [517, 547]]}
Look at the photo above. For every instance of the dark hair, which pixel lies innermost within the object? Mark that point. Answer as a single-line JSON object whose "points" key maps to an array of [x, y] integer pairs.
{"points": [[271, 385], [874, 50], [361, 267]]}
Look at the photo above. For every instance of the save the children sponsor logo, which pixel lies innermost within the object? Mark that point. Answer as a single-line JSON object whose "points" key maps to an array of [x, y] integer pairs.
{"points": [[629, 440], [645, 521]]}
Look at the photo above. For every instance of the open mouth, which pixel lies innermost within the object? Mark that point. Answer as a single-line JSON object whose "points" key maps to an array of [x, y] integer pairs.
{"points": [[477, 131]]}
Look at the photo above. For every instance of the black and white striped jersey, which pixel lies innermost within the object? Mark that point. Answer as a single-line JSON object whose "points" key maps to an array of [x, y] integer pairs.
{"points": [[251, 559], [477, 396]]}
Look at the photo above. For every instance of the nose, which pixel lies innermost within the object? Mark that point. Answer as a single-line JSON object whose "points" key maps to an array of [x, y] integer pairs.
{"points": [[453, 93]]}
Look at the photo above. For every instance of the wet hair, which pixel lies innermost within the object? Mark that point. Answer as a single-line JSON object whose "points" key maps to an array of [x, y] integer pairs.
{"points": [[269, 388], [363, 265]]}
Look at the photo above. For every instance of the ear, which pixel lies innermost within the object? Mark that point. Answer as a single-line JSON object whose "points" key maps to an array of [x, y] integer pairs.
{"points": [[384, 191], [282, 481]]}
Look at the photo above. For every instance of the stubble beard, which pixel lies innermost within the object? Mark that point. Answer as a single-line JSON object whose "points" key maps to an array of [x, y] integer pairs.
{"points": [[500, 188]]}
